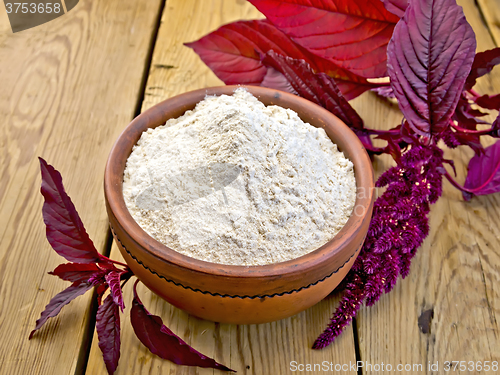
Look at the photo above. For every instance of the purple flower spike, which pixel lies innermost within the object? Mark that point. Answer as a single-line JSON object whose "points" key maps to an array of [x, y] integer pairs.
{"points": [[397, 229]]}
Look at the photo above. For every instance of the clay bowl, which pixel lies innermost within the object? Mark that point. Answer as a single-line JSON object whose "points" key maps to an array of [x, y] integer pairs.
{"points": [[239, 294]]}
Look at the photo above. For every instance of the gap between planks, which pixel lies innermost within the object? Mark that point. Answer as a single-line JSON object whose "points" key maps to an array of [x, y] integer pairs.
{"points": [[84, 354], [242, 345]]}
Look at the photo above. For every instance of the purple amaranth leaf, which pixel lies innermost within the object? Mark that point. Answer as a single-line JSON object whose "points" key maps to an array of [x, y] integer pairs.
{"points": [[453, 139], [59, 301], [385, 91], [495, 128], [396, 7], [108, 332], [467, 118], [113, 280], [76, 272], [395, 142], [483, 175], [64, 228], [163, 342], [484, 62], [429, 57], [398, 227]]}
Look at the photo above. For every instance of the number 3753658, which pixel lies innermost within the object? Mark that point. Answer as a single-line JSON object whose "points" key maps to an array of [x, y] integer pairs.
{"points": [[33, 8]]}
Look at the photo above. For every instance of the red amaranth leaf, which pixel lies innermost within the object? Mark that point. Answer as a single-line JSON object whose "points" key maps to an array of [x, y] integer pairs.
{"points": [[484, 62], [161, 341], [489, 102], [113, 280], [352, 34], [233, 53], [483, 176], [429, 59], [100, 290], [59, 301], [108, 332], [396, 7], [76, 272], [64, 228]]}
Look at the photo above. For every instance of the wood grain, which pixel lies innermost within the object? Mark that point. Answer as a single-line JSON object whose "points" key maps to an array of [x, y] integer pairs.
{"points": [[70, 86], [490, 10], [67, 89], [248, 349], [252, 349], [175, 68], [455, 273]]}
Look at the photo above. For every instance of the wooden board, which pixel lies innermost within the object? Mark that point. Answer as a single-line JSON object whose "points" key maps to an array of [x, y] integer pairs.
{"points": [[68, 87], [455, 273], [490, 10], [248, 349], [254, 349]]}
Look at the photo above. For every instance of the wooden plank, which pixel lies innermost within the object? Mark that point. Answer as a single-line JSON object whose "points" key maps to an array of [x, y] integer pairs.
{"points": [[68, 88], [248, 349], [455, 273], [252, 349], [175, 68], [490, 10]]}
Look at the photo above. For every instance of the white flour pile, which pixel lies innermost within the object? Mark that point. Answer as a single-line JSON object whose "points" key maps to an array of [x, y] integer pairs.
{"points": [[235, 182]]}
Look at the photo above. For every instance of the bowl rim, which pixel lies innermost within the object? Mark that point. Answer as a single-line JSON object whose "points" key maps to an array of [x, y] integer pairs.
{"points": [[156, 116]]}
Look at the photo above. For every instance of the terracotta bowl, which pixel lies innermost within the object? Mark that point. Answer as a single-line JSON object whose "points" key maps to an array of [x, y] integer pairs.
{"points": [[239, 294]]}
